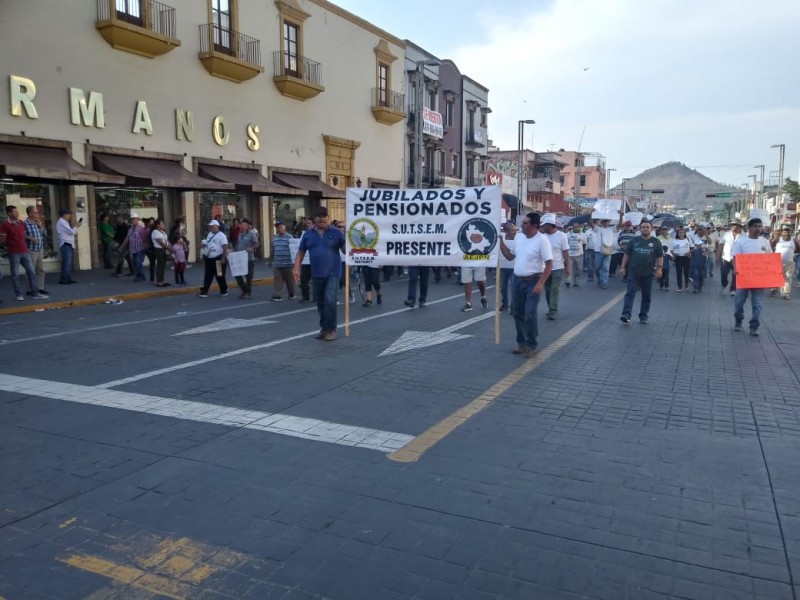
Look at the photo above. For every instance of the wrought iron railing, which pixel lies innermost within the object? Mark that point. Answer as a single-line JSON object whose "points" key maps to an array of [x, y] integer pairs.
{"points": [[475, 181], [227, 41], [148, 14], [383, 98], [475, 137], [294, 65]]}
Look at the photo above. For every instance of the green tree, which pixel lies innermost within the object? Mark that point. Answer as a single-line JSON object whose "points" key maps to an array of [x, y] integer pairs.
{"points": [[792, 188]]}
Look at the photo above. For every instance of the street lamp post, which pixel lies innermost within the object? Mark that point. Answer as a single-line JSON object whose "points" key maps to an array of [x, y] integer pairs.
{"points": [[780, 180], [624, 204], [520, 169], [608, 181], [753, 193], [760, 203], [419, 150]]}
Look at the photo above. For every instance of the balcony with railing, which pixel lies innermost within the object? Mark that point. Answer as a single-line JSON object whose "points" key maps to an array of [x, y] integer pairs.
{"points": [[296, 76], [145, 27], [387, 106], [228, 54], [475, 138]]}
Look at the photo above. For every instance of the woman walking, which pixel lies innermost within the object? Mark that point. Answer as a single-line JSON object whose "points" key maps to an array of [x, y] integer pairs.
{"points": [[372, 279], [160, 245], [681, 249]]}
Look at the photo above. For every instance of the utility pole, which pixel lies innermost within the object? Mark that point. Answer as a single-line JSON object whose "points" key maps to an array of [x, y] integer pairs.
{"points": [[419, 149], [608, 181], [521, 170], [760, 202], [780, 197]]}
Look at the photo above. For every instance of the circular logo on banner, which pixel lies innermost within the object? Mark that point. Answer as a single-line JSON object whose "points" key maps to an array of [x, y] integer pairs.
{"points": [[477, 238], [363, 236]]}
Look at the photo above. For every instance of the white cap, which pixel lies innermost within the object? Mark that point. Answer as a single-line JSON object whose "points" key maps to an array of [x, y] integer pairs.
{"points": [[134, 215], [213, 222], [548, 219]]}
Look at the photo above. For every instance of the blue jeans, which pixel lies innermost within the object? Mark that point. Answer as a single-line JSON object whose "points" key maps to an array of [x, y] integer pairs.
{"points": [[663, 283], [67, 255], [526, 303], [588, 260], [710, 266], [797, 267], [645, 282], [14, 261], [698, 275], [138, 264], [506, 276], [601, 266], [421, 274], [756, 300], [324, 290]]}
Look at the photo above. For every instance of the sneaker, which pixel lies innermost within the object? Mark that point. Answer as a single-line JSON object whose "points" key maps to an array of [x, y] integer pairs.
{"points": [[276, 299], [484, 302], [45, 292], [224, 294], [330, 336], [367, 304], [421, 302], [679, 290], [625, 319], [643, 320], [530, 352], [20, 298], [352, 298], [467, 307], [380, 299], [603, 286], [576, 285], [754, 332], [567, 283], [503, 307], [519, 350], [737, 326], [551, 316], [409, 303], [733, 293], [201, 295], [41, 296], [773, 293], [291, 297], [321, 335]]}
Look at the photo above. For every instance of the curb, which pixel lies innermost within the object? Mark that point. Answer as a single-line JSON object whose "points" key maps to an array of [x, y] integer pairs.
{"points": [[162, 293]]}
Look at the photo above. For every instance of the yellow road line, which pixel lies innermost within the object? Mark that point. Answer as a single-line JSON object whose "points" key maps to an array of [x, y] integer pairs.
{"points": [[67, 523], [414, 449]]}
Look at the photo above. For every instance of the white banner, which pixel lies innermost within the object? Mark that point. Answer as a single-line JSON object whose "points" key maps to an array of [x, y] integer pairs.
{"points": [[430, 227], [238, 263], [607, 209], [432, 123], [634, 217]]}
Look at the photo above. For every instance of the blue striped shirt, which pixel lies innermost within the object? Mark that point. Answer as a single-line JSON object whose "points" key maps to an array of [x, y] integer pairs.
{"points": [[281, 255], [34, 230]]}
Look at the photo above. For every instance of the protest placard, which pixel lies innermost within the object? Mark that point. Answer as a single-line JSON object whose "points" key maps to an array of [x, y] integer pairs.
{"points": [[607, 209], [426, 227], [758, 271], [238, 263]]}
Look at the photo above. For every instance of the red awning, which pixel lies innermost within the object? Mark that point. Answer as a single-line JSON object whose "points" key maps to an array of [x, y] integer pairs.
{"points": [[156, 172], [22, 161]]}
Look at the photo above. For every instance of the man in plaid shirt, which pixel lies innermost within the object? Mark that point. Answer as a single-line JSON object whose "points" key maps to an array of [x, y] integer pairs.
{"points": [[35, 235], [133, 243]]}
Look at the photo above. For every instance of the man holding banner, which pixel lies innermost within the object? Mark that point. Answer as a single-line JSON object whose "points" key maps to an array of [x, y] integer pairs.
{"points": [[753, 243], [533, 263]]}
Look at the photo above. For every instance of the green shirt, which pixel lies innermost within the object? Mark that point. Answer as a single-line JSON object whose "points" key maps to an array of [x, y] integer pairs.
{"points": [[643, 254], [107, 232]]}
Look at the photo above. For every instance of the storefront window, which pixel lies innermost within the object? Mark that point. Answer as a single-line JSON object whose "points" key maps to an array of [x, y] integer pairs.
{"points": [[292, 211], [222, 207], [23, 195], [146, 202]]}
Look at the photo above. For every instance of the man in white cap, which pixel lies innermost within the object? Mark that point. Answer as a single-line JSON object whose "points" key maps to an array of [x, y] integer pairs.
{"points": [[135, 246], [561, 263], [787, 247], [215, 259]]}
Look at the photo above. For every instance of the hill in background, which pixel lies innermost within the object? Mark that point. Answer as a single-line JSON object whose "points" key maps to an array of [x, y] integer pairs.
{"points": [[683, 187]]}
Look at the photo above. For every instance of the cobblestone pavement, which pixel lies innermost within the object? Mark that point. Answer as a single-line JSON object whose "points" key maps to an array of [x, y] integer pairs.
{"points": [[245, 459]]}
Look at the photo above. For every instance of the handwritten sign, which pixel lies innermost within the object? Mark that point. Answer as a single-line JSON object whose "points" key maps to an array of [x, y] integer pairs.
{"points": [[238, 263], [759, 271]]}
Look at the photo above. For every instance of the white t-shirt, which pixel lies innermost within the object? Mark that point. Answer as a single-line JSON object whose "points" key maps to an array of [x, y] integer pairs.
{"points": [[589, 233], [576, 242], [214, 243], [785, 249], [747, 245], [728, 239], [605, 235], [531, 254], [504, 262], [558, 245], [667, 243], [681, 247], [154, 237]]}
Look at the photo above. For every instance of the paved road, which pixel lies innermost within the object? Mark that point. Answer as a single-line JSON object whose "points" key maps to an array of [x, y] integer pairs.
{"points": [[186, 448]]}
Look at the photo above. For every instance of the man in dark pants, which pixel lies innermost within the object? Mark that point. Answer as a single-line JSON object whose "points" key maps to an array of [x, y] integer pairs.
{"points": [[305, 269], [645, 256], [323, 243], [422, 274]]}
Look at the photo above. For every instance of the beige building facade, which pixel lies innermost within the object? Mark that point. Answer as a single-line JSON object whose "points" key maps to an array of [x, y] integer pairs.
{"points": [[204, 108]]}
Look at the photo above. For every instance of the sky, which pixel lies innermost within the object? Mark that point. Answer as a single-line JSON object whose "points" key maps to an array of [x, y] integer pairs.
{"points": [[709, 83]]}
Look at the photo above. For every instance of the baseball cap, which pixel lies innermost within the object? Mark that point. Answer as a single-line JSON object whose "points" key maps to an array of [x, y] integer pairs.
{"points": [[134, 215], [279, 223], [786, 226], [246, 220], [627, 223], [213, 222], [754, 221], [548, 219], [64, 211]]}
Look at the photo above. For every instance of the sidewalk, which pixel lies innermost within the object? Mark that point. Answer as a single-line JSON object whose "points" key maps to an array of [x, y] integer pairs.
{"points": [[99, 285]]}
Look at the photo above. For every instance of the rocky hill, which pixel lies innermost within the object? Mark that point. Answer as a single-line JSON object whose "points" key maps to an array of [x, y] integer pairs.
{"points": [[683, 187]]}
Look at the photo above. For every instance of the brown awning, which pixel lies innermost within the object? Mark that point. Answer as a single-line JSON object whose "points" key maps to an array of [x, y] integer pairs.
{"points": [[156, 172], [309, 183], [248, 179], [54, 164]]}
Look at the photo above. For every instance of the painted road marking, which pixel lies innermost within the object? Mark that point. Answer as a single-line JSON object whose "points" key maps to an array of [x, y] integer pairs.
{"points": [[413, 340], [300, 427], [414, 450], [226, 324], [292, 338]]}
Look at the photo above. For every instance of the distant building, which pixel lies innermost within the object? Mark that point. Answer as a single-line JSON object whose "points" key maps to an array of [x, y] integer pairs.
{"points": [[587, 169]]}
